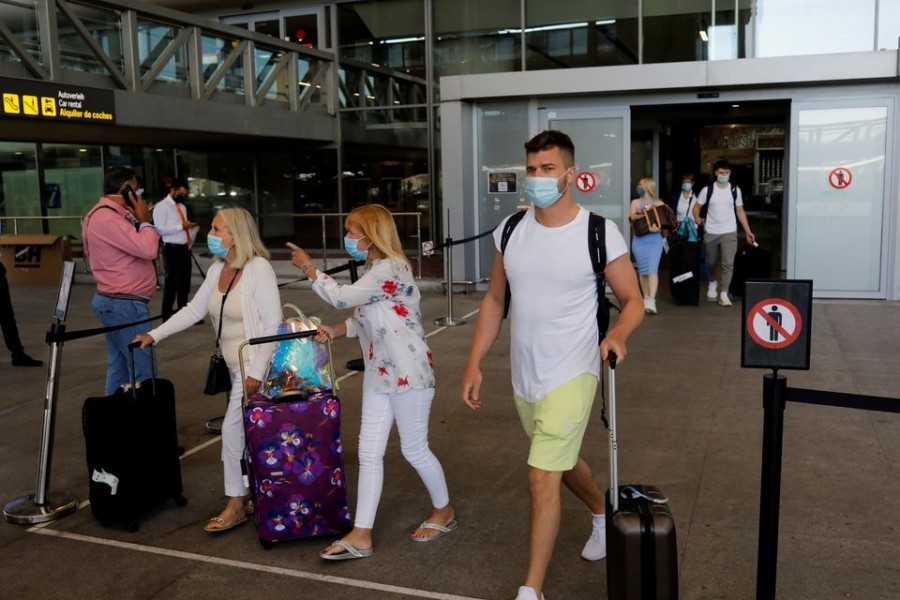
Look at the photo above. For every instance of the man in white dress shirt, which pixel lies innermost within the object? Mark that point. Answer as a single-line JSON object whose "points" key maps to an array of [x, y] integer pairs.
{"points": [[170, 220]]}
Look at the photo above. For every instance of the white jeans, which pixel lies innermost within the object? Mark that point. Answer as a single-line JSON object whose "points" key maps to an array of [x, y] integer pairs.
{"points": [[233, 439], [411, 410]]}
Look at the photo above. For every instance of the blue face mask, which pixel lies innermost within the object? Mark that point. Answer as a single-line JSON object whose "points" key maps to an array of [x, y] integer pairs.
{"points": [[351, 245], [723, 178], [214, 243], [687, 186], [543, 191], [640, 191]]}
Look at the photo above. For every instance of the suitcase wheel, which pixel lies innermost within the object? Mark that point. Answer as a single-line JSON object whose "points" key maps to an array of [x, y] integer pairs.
{"points": [[266, 544], [132, 526], [180, 501]]}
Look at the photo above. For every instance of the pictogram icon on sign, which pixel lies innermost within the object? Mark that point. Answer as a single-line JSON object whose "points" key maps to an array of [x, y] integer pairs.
{"points": [[840, 178], [774, 323], [585, 181]]}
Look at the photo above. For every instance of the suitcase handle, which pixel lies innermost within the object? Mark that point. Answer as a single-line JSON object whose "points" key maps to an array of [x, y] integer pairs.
{"points": [[282, 336], [613, 444], [132, 346]]}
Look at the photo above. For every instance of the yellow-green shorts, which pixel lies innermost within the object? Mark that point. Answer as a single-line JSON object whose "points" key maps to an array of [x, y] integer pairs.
{"points": [[556, 423]]}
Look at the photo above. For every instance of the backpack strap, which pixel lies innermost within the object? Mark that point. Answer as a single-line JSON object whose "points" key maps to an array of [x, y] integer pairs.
{"points": [[597, 248], [709, 192], [508, 228]]}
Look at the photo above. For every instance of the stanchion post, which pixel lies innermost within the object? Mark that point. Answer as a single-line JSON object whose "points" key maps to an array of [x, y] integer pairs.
{"points": [[44, 506], [449, 321], [774, 398]]}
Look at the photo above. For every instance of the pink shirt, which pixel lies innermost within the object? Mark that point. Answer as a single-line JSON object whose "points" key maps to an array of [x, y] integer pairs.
{"points": [[121, 258]]}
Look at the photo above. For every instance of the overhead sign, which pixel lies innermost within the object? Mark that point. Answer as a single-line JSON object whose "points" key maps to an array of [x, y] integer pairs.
{"points": [[585, 182], [776, 326], [840, 178], [27, 99]]}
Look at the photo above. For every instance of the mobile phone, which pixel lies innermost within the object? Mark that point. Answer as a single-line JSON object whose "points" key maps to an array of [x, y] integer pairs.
{"points": [[127, 192]]}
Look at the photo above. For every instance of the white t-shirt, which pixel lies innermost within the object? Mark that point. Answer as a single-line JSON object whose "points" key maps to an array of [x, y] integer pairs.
{"points": [[720, 218], [553, 314], [684, 206]]}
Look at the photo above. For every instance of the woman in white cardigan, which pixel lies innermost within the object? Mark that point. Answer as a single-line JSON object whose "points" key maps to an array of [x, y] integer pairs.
{"points": [[242, 288]]}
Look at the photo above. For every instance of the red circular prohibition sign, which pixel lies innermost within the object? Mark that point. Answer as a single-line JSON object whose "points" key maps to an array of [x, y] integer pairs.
{"points": [[840, 178], [776, 328]]}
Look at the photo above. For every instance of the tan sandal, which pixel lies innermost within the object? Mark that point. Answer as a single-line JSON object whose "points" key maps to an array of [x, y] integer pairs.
{"points": [[218, 524]]}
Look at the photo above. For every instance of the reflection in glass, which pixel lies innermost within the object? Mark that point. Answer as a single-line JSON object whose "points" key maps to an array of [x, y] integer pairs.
{"points": [[21, 19], [677, 34], [215, 52], [814, 27], [19, 187], [103, 25], [302, 29], [73, 182], [579, 34], [217, 180], [153, 40], [389, 34], [474, 36]]}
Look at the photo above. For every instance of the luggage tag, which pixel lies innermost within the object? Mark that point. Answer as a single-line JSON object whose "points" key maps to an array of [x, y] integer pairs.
{"points": [[630, 492]]}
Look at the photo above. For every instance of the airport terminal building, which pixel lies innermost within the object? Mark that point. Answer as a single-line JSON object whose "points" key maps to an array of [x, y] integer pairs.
{"points": [[300, 111]]}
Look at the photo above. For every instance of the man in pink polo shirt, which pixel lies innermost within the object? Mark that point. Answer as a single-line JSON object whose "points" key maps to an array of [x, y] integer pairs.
{"points": [[121, 244]]}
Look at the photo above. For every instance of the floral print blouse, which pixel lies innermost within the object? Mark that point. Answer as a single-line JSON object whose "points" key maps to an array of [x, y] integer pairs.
{"points": [[388, 323]]}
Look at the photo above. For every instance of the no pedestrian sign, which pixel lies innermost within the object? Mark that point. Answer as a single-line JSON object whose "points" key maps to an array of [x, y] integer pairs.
{"points": [[776, 324], [585, 181]]}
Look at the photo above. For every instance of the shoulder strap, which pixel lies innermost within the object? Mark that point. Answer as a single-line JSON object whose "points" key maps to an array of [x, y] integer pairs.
{"points": [[709, 192], [508, 228], [87, 225], [734, 194], [597, 248]]}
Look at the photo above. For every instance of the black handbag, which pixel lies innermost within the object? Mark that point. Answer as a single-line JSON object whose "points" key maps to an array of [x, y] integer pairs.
{"points": [[218, 376]]}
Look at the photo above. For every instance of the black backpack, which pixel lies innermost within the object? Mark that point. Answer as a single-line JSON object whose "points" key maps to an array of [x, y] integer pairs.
{"points": [[709, 192], [597, 249]]}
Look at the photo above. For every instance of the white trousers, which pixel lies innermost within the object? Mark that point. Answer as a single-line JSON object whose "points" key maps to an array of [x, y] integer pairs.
{"points": [[233, 439], [411, 410]]}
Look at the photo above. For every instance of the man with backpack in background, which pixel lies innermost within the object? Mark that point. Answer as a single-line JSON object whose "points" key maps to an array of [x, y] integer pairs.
{"points": [[718, 209], [556, 287]]}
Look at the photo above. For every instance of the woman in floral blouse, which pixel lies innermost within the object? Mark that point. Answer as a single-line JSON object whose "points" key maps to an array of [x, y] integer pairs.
{"points": [[398, 384]]}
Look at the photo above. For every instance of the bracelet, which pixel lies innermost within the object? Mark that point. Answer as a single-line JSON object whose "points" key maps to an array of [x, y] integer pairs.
{"points": [[305, 268]]}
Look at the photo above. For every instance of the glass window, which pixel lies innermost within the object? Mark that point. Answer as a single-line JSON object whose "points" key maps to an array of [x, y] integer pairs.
{"points": [[388, 33], [579, 34], [303, 30], [153, 40], [676, 35], [103, 25], [21, 19], [474, 36], [800, 27], [888, 24], [216, 180], [215, 51], [73, 182], [19, 187], [152, 167]]}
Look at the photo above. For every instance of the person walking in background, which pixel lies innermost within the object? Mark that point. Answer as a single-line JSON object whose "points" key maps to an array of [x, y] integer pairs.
{"points": [[120, 244], [718, 210], [170, 220], [8, 324], [241, 295], [648, 247], [683, 202], [398, 384], [554, 354]]}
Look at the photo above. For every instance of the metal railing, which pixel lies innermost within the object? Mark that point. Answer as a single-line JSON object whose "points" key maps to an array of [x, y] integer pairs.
{"points": [[338, 230], [41, 229]]}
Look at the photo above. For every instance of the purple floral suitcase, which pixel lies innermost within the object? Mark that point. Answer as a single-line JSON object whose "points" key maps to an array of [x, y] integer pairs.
{"points": [[295, 466]]}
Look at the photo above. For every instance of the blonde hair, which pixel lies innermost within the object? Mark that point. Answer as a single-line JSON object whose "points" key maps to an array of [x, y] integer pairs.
{"points": [[378, 225], [649, 185], [244, 234]]}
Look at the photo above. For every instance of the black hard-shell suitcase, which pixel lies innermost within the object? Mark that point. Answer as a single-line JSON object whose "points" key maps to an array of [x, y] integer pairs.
{"points": [[684, 275], [750, 262], [132, 452], [641, 553]]}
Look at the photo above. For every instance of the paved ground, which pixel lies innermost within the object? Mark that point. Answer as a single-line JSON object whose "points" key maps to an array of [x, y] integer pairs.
{"points": [[690, 421]]}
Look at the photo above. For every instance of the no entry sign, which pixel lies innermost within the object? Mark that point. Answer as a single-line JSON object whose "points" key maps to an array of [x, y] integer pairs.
{"points": [[776, 324]]}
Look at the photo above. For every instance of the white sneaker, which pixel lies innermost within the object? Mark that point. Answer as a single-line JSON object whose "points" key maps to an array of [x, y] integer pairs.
{"points": [[724, 300], [527, 593], [712, 292], [650, 306], [595, 548]]}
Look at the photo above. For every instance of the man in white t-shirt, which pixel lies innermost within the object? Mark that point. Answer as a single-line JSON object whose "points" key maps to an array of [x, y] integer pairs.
{"points": [[719, 220], [555, 358]]}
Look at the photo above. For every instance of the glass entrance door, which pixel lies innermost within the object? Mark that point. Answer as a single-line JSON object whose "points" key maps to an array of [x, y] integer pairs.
{"points": [[601, 157], [837, 211]]}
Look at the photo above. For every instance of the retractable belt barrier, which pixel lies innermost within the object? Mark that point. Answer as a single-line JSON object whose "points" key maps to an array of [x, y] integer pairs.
{"points": [[449, 242]]}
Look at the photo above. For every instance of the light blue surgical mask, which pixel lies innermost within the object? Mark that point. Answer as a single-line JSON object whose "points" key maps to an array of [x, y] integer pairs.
{"points": [[543, 191], [351, 245], [640, 191], [214, 243], [687, 186], [722, 178]]}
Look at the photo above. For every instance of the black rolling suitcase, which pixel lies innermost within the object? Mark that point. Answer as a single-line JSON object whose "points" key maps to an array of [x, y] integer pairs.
{"points": [[132, 451], [641, 554], [750, 262], [684, 275]]}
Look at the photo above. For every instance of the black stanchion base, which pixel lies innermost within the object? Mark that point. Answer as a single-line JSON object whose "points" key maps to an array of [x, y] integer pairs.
{"points": [[214, 425], [356, 364]]}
